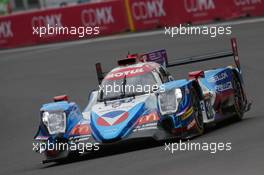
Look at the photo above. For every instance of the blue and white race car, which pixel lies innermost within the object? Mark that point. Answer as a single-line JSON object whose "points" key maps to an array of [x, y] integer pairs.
{"points": [[141, 99]]}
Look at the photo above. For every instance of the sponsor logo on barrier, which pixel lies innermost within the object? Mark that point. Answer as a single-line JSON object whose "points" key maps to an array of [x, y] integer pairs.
{"points": [[247, 2], [192, 6], [44, 21], [6, 29], [146, 10], [98, 16]]}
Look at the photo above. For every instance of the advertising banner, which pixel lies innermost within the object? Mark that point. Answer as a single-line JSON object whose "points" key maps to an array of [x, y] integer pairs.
{"points": [[62, 24]]}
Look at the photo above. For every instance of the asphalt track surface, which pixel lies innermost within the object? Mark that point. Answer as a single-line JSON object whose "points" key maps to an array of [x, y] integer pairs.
{"points": [[31, 78]]}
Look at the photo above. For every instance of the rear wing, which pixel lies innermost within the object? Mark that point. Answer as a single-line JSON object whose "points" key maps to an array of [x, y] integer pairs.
{"points": [[218, 55], [160, 56]]}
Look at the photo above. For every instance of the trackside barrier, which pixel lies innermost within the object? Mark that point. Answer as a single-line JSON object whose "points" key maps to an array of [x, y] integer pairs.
{"points": [[248, 7], [17, 30], [120, 15], [149, 14]]}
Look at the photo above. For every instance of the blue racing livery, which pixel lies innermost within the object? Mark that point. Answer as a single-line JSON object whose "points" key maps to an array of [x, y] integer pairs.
{"points": [[175, 109]]}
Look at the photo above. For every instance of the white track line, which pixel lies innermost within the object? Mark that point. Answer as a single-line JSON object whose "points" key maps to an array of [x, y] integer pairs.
{"points": [[54, 46]]}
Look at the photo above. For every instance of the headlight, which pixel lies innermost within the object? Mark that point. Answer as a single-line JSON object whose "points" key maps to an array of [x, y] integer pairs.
{"points": [[169, 101], [55, 121]]}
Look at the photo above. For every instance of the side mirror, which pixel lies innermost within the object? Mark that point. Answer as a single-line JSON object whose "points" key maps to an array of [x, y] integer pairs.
{"points": [[170, 78]]}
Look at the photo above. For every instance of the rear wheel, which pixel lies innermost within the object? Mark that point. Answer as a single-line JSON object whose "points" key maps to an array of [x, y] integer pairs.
{"points": [[238, 106], [197, 112]]}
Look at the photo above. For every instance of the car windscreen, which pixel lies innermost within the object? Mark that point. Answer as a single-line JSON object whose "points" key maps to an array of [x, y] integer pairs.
{"points": [[128, 86]]}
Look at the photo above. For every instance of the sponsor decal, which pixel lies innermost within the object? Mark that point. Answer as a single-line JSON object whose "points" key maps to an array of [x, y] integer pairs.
{"points": [[128, 72], [125, 105], [147, 122], [116, 104], [187, 114], [247, 2], [156, 56], [81, 129], [147, 126], [6, 29], [219, 77], [42, 138], [152, 117], [112, 118], [97, 16], [192, 6], [224, 87], [144, 10]]}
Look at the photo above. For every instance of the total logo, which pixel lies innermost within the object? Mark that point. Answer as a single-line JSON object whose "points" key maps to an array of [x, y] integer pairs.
{"points": [[192, 6], [97, 16], [112, 118], [6, 29], [44, 21], [247, 2], [143, 10]]}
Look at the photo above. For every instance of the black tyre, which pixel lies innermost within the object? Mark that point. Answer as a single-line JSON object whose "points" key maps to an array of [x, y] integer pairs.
{"points": [[198, 115], [239, 99]]}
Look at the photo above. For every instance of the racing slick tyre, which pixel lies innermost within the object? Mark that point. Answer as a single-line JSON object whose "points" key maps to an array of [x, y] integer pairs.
{"points": [[197, 112], [239, 99]]}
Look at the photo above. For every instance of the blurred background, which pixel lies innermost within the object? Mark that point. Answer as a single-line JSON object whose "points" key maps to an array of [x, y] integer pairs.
{"points": [[19, 17], [13, 6]]}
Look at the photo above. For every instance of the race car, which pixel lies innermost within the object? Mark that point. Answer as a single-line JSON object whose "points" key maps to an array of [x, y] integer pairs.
{"points": [[167, 109]]}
